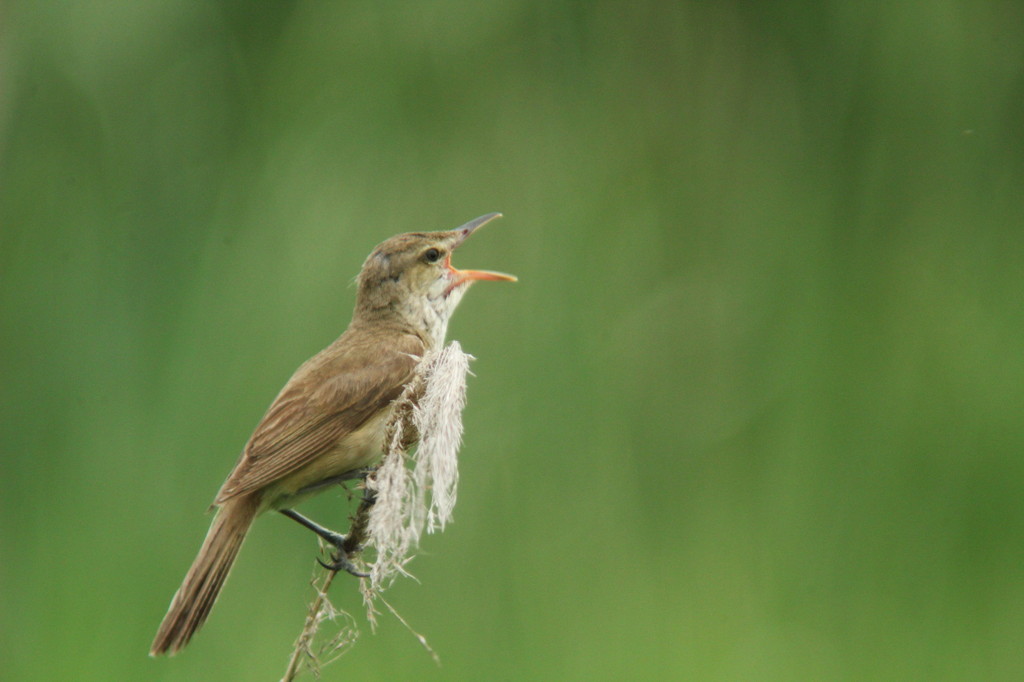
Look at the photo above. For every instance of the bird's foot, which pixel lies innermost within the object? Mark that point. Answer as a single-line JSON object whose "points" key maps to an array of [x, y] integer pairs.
{"points": [[340, 560]]}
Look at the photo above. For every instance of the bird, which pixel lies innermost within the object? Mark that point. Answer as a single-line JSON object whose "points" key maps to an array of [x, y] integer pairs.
{"points": [[327, 423]]}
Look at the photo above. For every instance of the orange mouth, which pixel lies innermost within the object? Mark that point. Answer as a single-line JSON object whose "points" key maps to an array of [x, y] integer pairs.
{"points": [[460, 277]]}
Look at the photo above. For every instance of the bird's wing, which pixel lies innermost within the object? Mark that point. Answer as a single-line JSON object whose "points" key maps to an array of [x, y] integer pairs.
{"points": [[330, 396]]}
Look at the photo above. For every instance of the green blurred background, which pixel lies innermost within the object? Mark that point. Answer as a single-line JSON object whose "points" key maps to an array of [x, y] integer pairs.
{"points": [[753, 411]]}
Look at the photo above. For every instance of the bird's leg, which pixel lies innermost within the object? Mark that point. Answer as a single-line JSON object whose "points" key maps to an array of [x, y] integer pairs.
{"points": [[340, 559]]}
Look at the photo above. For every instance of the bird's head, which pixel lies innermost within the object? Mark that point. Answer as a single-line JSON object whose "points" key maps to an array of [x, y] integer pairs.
{"points": [[411, 277]]}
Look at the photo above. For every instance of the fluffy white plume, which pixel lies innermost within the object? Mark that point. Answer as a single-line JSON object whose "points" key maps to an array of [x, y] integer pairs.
{"points": [[421, 496]]}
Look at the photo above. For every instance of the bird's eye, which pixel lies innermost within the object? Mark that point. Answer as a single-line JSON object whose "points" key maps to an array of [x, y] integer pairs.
{"points": [[431, 255]]}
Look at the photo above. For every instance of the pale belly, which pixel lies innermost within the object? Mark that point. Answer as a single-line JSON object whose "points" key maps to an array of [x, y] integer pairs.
{"points": [[358, 450]]}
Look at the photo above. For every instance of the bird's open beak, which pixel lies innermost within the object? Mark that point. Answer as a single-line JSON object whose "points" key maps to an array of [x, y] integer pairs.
{"points": [[460, 276], [470, 227]]}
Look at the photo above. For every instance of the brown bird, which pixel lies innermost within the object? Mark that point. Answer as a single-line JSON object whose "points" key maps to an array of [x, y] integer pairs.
{"points": [[327, 423]]}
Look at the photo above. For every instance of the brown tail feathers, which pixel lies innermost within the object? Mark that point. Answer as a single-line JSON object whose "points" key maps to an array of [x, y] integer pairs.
{"points": [[197, 594]]}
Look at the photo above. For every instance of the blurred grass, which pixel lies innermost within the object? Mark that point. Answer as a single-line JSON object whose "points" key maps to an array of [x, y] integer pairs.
{"points": [[753, 410]]}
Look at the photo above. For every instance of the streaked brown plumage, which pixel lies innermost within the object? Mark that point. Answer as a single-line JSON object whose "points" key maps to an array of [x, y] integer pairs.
{"points": [[327, 422]]}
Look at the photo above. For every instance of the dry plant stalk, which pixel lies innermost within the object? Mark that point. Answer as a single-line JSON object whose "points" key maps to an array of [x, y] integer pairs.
{"points": [[397, 508], [321, 609]]}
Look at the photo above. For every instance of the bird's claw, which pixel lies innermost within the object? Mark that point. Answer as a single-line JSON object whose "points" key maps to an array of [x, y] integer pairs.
{"points": [[340, 559], [343, 547]]}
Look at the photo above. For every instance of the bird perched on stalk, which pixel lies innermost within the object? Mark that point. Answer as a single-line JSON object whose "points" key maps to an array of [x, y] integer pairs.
{"points": [[327, 424]]}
